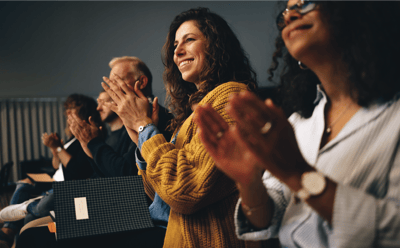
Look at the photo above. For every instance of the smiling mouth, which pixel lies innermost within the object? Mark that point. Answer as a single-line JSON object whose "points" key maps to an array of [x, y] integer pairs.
{"points": [[299, 29], [303, 27], [186, 62]]}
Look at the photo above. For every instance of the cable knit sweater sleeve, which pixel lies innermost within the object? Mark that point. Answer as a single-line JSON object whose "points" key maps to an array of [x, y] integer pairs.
{"points": [[186, 178]]}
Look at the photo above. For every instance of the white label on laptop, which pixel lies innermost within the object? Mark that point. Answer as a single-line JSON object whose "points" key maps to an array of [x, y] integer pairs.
{"points": [[81, 210]]}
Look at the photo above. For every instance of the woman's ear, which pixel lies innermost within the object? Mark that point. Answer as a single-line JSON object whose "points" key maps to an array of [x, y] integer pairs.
{"points": [[143, 81]]}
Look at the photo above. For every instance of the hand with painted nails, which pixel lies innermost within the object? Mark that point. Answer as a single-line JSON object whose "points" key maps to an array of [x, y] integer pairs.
{"points": [[131, 105]]}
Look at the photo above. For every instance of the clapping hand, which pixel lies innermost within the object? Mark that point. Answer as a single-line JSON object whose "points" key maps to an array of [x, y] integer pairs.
{"points": [[52, 140], [83, 131], [131, 105], [261, 137]]}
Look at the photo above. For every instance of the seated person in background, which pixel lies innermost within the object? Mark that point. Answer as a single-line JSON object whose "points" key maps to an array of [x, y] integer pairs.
{"points": [[69, 159], [204, 63], [329, 176], [115, 156]]}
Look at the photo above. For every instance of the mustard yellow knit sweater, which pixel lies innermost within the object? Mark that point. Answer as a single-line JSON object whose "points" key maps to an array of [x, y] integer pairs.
{"points": [[202, 199]]}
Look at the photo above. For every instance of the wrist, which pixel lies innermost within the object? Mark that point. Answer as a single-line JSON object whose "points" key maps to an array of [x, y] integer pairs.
{"points": [[254, 198], [249, 187], [54, 152], [142, 125], [293, 180], [252, 180]]}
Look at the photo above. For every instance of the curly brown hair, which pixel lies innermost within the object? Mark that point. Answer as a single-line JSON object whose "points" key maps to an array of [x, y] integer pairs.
{"points": [[363, 33], [225, 61]]}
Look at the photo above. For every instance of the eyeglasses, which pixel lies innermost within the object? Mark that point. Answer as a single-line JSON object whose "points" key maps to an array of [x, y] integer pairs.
{"points": [[302, 7]]}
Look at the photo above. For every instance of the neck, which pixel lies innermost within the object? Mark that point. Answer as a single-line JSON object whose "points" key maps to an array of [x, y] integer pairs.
{"points": [[115, 124], [333, 75]]}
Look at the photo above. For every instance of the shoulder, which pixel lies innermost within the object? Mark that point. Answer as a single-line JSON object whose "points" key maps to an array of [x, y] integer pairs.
{"points": [[229, 87], [219, 97], [222, 92]]}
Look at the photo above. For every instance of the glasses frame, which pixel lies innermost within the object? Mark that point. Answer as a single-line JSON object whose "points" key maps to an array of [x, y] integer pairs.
{"points": [[280, 21]]}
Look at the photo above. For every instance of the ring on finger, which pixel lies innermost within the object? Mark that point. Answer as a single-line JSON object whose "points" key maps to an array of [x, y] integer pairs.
{"points": [[219, 134], [267, 126]]}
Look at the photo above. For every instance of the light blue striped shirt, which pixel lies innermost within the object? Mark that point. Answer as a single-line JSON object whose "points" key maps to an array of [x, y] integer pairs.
{"points": [[364, 159]]}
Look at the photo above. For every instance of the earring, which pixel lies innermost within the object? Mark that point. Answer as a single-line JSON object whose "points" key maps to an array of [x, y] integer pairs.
{"points": [[302, 66]]}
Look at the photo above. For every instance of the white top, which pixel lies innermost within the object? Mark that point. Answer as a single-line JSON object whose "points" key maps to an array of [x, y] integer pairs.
{"points": [[59, 175], [364, 159]]}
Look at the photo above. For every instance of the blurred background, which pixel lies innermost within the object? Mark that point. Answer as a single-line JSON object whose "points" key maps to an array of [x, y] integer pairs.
{"points": [[49, 50]]}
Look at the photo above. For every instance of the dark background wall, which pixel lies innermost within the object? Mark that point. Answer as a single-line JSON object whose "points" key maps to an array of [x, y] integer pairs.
{"points": [[58, 48]]}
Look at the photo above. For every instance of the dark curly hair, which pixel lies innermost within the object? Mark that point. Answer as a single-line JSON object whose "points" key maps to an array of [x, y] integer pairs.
{"points": [[86, 107], [225, 61], [364, 33]]}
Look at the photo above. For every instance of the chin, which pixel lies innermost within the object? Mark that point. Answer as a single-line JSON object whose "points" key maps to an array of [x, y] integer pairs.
{"points": [[299, 51]]}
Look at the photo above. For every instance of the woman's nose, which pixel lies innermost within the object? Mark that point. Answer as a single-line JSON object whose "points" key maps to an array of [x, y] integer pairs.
{"points": [[179, 50], [290, 16]]}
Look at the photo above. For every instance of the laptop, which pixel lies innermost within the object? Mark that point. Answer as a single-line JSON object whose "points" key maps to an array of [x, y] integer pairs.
{"points": [[92, 207]]}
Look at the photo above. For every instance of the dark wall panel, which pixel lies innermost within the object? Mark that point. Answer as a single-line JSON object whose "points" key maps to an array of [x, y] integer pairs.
{"points": [[59, 48]]}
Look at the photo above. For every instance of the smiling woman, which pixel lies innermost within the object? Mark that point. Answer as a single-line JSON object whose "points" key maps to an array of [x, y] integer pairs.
{"points": [[204, 64], [189, 53]]}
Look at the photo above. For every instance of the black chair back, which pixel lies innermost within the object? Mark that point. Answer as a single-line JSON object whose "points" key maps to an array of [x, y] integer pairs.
{"points": [[5, 175]]}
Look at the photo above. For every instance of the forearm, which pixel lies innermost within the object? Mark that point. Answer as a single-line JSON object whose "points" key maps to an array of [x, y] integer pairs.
{"points": [[323, 203], [55, 161], [256, 203], [64, 157], [170, 170]]}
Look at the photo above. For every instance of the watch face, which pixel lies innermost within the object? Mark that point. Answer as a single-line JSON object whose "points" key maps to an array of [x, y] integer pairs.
{"points": [[314, 182]]}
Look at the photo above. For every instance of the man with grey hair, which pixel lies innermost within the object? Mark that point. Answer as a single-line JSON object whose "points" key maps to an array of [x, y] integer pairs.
{"points": [[131, 69], [111, 157]]}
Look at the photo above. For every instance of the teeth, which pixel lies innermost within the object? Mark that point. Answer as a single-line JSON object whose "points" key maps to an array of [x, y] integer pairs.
{"points": [[185, 62]]}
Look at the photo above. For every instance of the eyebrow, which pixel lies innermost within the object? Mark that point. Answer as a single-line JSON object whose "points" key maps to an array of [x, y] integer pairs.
{"points": [[184, 37]]}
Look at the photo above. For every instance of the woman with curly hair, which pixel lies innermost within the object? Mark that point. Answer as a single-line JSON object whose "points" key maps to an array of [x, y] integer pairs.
{"points": [[204, 64], [328, 176]]}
